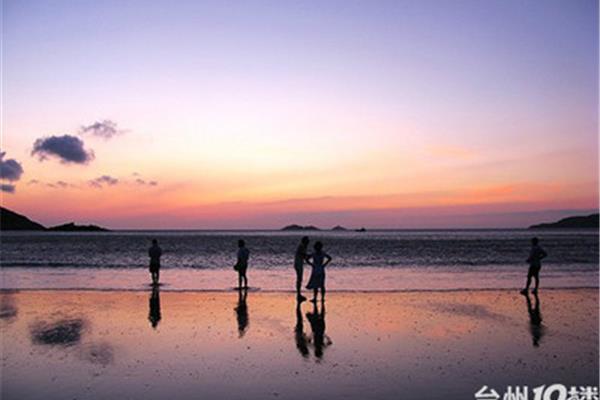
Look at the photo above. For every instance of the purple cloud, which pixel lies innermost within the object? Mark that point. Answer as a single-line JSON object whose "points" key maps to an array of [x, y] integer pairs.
{"points": [[5, 187], [10, 170], [103, 180], [105, 129], [141, 181], [67, 148], [59, 185]]}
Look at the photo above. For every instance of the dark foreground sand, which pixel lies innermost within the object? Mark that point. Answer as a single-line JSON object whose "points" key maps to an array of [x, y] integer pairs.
{"points": [[416, 345]]}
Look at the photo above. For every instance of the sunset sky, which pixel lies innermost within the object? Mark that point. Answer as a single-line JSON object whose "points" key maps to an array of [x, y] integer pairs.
{"points": [[243, 114]]}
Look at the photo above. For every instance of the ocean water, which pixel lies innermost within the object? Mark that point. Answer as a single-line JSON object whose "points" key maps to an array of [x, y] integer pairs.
{"points": [[374, 260]]}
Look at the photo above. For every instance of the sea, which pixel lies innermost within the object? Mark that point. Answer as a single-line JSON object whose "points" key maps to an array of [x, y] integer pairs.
{"points": [[377, 260]]}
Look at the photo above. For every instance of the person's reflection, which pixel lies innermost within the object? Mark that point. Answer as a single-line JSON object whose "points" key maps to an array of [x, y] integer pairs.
{"points": [[241, 312], [154, 303], [320, 340], [299, 335], [535, 320]]}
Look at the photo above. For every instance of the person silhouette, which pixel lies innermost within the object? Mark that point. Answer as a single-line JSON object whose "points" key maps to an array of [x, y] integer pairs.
{"points": [[536, 328], [299, 335], [299, 259], [320, 340], [155, 252], [241, 265], [154, 307], [318, 260], [536, 254], [241, 311]]}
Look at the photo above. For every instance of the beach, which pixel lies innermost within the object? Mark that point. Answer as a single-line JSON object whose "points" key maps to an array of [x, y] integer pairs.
{"points": [[98, 344], [178, 180]]}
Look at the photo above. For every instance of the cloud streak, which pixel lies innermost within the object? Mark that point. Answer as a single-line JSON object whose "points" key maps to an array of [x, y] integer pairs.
{"points": [[59, 185], [67, 148], [143, 182], [7, 188], [102, 181], [105, 129]]}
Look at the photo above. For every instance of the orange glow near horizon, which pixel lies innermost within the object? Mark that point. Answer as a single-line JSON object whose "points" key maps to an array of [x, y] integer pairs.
{"points": [[412, 115]]}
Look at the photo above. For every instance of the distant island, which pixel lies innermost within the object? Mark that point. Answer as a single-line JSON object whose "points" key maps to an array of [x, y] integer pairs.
{"points": [[338, 228], [588, 221], [295, 227], [71, 227], [12, 221]]}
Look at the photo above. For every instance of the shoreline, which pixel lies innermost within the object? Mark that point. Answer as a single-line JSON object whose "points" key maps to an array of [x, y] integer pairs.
{"points": [[283, 279], [292, 291]]}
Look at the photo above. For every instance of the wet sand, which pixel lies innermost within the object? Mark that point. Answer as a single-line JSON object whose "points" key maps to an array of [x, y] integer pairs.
{"points": [[401, 345]]}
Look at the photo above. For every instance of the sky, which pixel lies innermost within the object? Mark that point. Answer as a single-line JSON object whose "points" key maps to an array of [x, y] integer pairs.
{"points": [[258, 114]]}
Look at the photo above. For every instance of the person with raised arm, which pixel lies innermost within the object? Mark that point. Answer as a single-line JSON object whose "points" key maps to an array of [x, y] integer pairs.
{"points": [[318, 260]]}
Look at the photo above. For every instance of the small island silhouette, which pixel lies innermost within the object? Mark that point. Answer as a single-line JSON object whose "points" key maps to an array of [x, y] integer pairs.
{"points": [[11, 221], [588, 221], [338, 228], [72, 227], [295, 227]]}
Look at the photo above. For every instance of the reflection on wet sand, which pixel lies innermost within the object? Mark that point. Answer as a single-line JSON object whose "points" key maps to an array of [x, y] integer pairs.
{"points": [[97, 353], [65, 332], [320, 341], [536, 328], [386, 345], [154, 307], [8, 307], [241, 312], [299, 335]]}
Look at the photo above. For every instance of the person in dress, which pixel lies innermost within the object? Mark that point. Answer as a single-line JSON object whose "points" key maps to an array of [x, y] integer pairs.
{"points": [[536, 254], [241, 266], [299, 259], [318, 260], [155, 252]]}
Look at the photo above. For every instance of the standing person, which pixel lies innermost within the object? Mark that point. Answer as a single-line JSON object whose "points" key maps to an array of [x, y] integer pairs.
{"points": [[242, 264], [299, 259], [155, 252], [318, 260], [536, 255]]}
